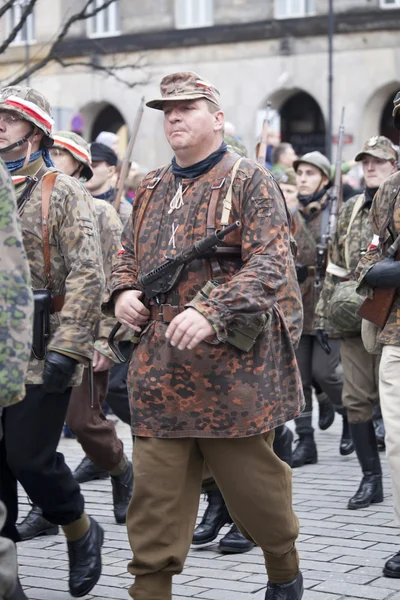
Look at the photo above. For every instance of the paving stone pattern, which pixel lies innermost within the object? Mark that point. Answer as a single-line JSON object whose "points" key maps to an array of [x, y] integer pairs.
{"points": [[342, 552]]}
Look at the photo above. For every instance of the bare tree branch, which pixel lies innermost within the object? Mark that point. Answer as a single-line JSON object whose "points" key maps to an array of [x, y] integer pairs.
{"points": [[83, 14], [6, 6], [25, 14]]}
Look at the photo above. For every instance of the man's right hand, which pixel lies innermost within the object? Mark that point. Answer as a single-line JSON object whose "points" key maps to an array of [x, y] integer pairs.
{"points": [[130, 310]]}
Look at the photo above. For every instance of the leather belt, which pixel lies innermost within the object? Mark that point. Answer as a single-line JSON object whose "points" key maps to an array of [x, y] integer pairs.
{"points": [[165, 312], [58, 303]]}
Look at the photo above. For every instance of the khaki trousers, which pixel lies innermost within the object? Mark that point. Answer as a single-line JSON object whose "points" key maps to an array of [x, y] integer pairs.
{"points": [[256, 486], [389, 391], [361, 380]]}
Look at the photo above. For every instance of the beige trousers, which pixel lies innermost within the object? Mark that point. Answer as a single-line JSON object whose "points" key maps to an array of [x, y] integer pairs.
{"points": [[389, 391], [255, 483], [361, 380]]}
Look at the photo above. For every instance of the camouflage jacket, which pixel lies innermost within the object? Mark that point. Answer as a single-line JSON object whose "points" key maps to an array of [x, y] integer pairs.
{"points": [[76, 264], [215, 390], [16, 301], [307, 236], [110, 231], [385, 219], [360, 236]]}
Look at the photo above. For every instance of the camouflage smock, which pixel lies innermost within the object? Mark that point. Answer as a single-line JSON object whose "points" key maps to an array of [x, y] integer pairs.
{"points": [[360, 236], [385, 219], [110, 231], [16, 301], [76, 264], [215, 390], [307, 236]]}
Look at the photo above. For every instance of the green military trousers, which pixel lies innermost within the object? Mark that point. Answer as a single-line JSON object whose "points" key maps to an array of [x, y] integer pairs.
{"points": [[256, 486]]}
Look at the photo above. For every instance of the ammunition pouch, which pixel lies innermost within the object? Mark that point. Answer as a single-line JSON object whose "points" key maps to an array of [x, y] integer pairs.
{"points": [[44, 305], [242, 337]]}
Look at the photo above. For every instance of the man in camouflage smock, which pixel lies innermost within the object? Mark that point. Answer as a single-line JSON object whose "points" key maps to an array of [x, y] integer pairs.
{"points": [[62, 244], [318, 351], [377, 271], [97, 435], [338, 304], [195, 397], [16, 309]]}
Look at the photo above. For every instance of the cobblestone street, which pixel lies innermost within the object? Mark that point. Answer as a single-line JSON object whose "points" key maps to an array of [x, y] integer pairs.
{"points": [[342, 552]]}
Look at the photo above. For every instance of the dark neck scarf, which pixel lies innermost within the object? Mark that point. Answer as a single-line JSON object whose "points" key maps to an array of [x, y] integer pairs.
{"points": [[201, 167], [369, 194], [16, 165], [306, 200], [106, 195]]}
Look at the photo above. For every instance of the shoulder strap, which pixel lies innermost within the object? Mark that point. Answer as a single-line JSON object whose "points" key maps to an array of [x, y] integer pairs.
{"points": [[47, 188], [356, 209], [228, 166]]}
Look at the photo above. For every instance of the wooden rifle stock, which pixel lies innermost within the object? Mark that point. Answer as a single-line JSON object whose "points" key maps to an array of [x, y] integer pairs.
{"points": [[377, 309]]}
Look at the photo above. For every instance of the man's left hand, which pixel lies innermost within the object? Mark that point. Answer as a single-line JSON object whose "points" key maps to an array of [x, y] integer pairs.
{"points": [[101, 362], [188, 329]]}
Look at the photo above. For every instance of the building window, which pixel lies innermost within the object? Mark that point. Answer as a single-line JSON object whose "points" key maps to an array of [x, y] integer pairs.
{"points": [[27, 33], [105, 22], [390, 3], [194, 13], [288, 9]]}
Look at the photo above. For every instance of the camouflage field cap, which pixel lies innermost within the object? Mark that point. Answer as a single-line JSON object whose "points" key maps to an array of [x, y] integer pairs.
{"points": [[78, 148], [186, 85], [32, 106], [316, 159], [396, 111], [378, 146], [287, 176]]}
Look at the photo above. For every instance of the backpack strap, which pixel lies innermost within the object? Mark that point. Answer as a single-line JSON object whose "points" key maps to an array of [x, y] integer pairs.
{"points": [[47, 188]]}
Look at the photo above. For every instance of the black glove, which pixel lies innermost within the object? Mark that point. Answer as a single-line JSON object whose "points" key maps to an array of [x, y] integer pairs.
{"points": [[322, 339], [385, 273], [302, 273], [58, 372]]}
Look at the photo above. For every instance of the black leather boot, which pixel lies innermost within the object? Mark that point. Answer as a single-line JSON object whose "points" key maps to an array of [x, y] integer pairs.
{"points": [[305, 452], [87, 471], [18, 593], [326, 411], [379, 427], [215, 517], [392, 567], [370, 490], [283, 444], [234, 542], [35, 525], [293, 590], [346, 443], [85, 561], [122, 492]]}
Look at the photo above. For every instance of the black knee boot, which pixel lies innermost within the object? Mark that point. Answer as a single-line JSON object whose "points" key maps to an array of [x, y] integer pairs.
{"points": [[346, 445], [215, 517], [305, 452], [370, 490], [283, 444]]}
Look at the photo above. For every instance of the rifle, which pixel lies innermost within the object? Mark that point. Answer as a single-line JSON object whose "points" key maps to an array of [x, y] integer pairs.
{"points": [[262, 148], [329, 217], [163, 278], [128, 154], [377, 309]]}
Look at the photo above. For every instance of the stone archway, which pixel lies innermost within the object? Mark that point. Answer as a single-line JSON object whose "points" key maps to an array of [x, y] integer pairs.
{"points": [[386, 125], [377, 112], [103, 116], [300, 119]]}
